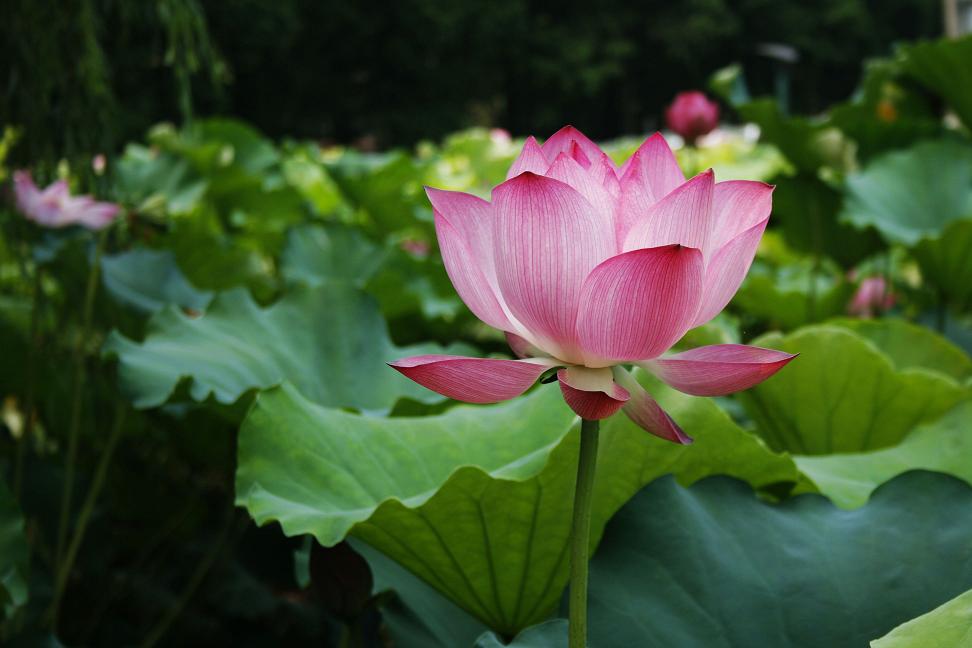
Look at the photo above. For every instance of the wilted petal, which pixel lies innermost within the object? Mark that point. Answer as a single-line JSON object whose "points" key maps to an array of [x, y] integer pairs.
{"points": [[725, 272], [684, 216], [646, 412], [547, 239], [719, 369], [562, 140], [531, 159], [637, 304], [591, 393], [738, 205], [473, 380]]}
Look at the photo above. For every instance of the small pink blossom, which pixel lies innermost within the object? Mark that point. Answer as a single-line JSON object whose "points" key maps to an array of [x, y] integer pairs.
{"points": [[500, 136], [415, 247], [587, 267], [692, 115], [55, 207], [873, 297]]}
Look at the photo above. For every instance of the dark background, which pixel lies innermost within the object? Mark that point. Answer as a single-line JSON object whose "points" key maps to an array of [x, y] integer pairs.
{"points": [[95, 73]]}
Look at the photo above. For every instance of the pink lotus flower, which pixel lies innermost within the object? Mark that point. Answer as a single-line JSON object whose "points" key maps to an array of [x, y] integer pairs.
{"points": [[588, 267], [692, 115], [55, 207], [872, 298]]}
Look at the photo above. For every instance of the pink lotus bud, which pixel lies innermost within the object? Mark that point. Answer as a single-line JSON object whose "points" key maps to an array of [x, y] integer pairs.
{"points": [[500, 136], [873, 297], [692, 115], [415, 247], [587, 267], [98, 164]]}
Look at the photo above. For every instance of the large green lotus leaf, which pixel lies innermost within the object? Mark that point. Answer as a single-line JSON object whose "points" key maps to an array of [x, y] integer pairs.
{"points": [[550, 634], [13, 554], [793, 294], [329, 340], [843, 395], [943, 66], [910, 345], [147, 280], [946, 263], [475, 501], [715, 566], [912, 194], [947, 626], [315, 254], [943, 446], [807, 210]]}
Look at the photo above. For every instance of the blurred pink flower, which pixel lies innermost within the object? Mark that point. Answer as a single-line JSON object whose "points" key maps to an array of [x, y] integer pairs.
{"points": [[415, 247], [55, 207], [586, 267], [500, 136], [873, 297], [99, 163], [692, 115]]}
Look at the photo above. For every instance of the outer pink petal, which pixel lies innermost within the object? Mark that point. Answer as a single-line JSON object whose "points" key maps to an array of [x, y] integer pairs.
{"points": [[738, 205], [547, 239], [472, 380], [684, 216], [638, 304], [569, 171], [467, 275], [649, 175], [591, 404], [719, 369], [560, 142], [96, 215], [726, 270], [646, 412], [531, 159]]}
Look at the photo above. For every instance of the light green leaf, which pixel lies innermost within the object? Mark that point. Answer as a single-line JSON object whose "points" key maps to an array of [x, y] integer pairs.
{"points": [[943, 446], [843, 395], [911, 346], [947, 626], [794, 294], [475, 501], [315, 254], [329, 340], [714, 566], [551, 634], [147, 280], [912, 194], [13, 555], [943, 66]]}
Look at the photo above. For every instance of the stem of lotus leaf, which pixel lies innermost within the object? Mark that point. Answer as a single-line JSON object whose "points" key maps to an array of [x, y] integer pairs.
{"points": [[580, 537], [77, 388]]}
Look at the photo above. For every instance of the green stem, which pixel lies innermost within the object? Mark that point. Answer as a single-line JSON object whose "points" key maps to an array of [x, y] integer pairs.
{"points": [[29, 387], [76, 392], [580, 537], [94, 491]]}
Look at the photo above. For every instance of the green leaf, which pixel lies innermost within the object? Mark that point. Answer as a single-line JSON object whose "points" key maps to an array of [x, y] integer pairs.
{"points": [[147, 280], [947, 626], [13, 555], [713, 565], [943, 446], [912, 194], [793, 294], [551, 634], [943, 67], [911, 346], [329, 340], [475, 501], [946, 264], [807, 209], [315, 254], [843, 395]]}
